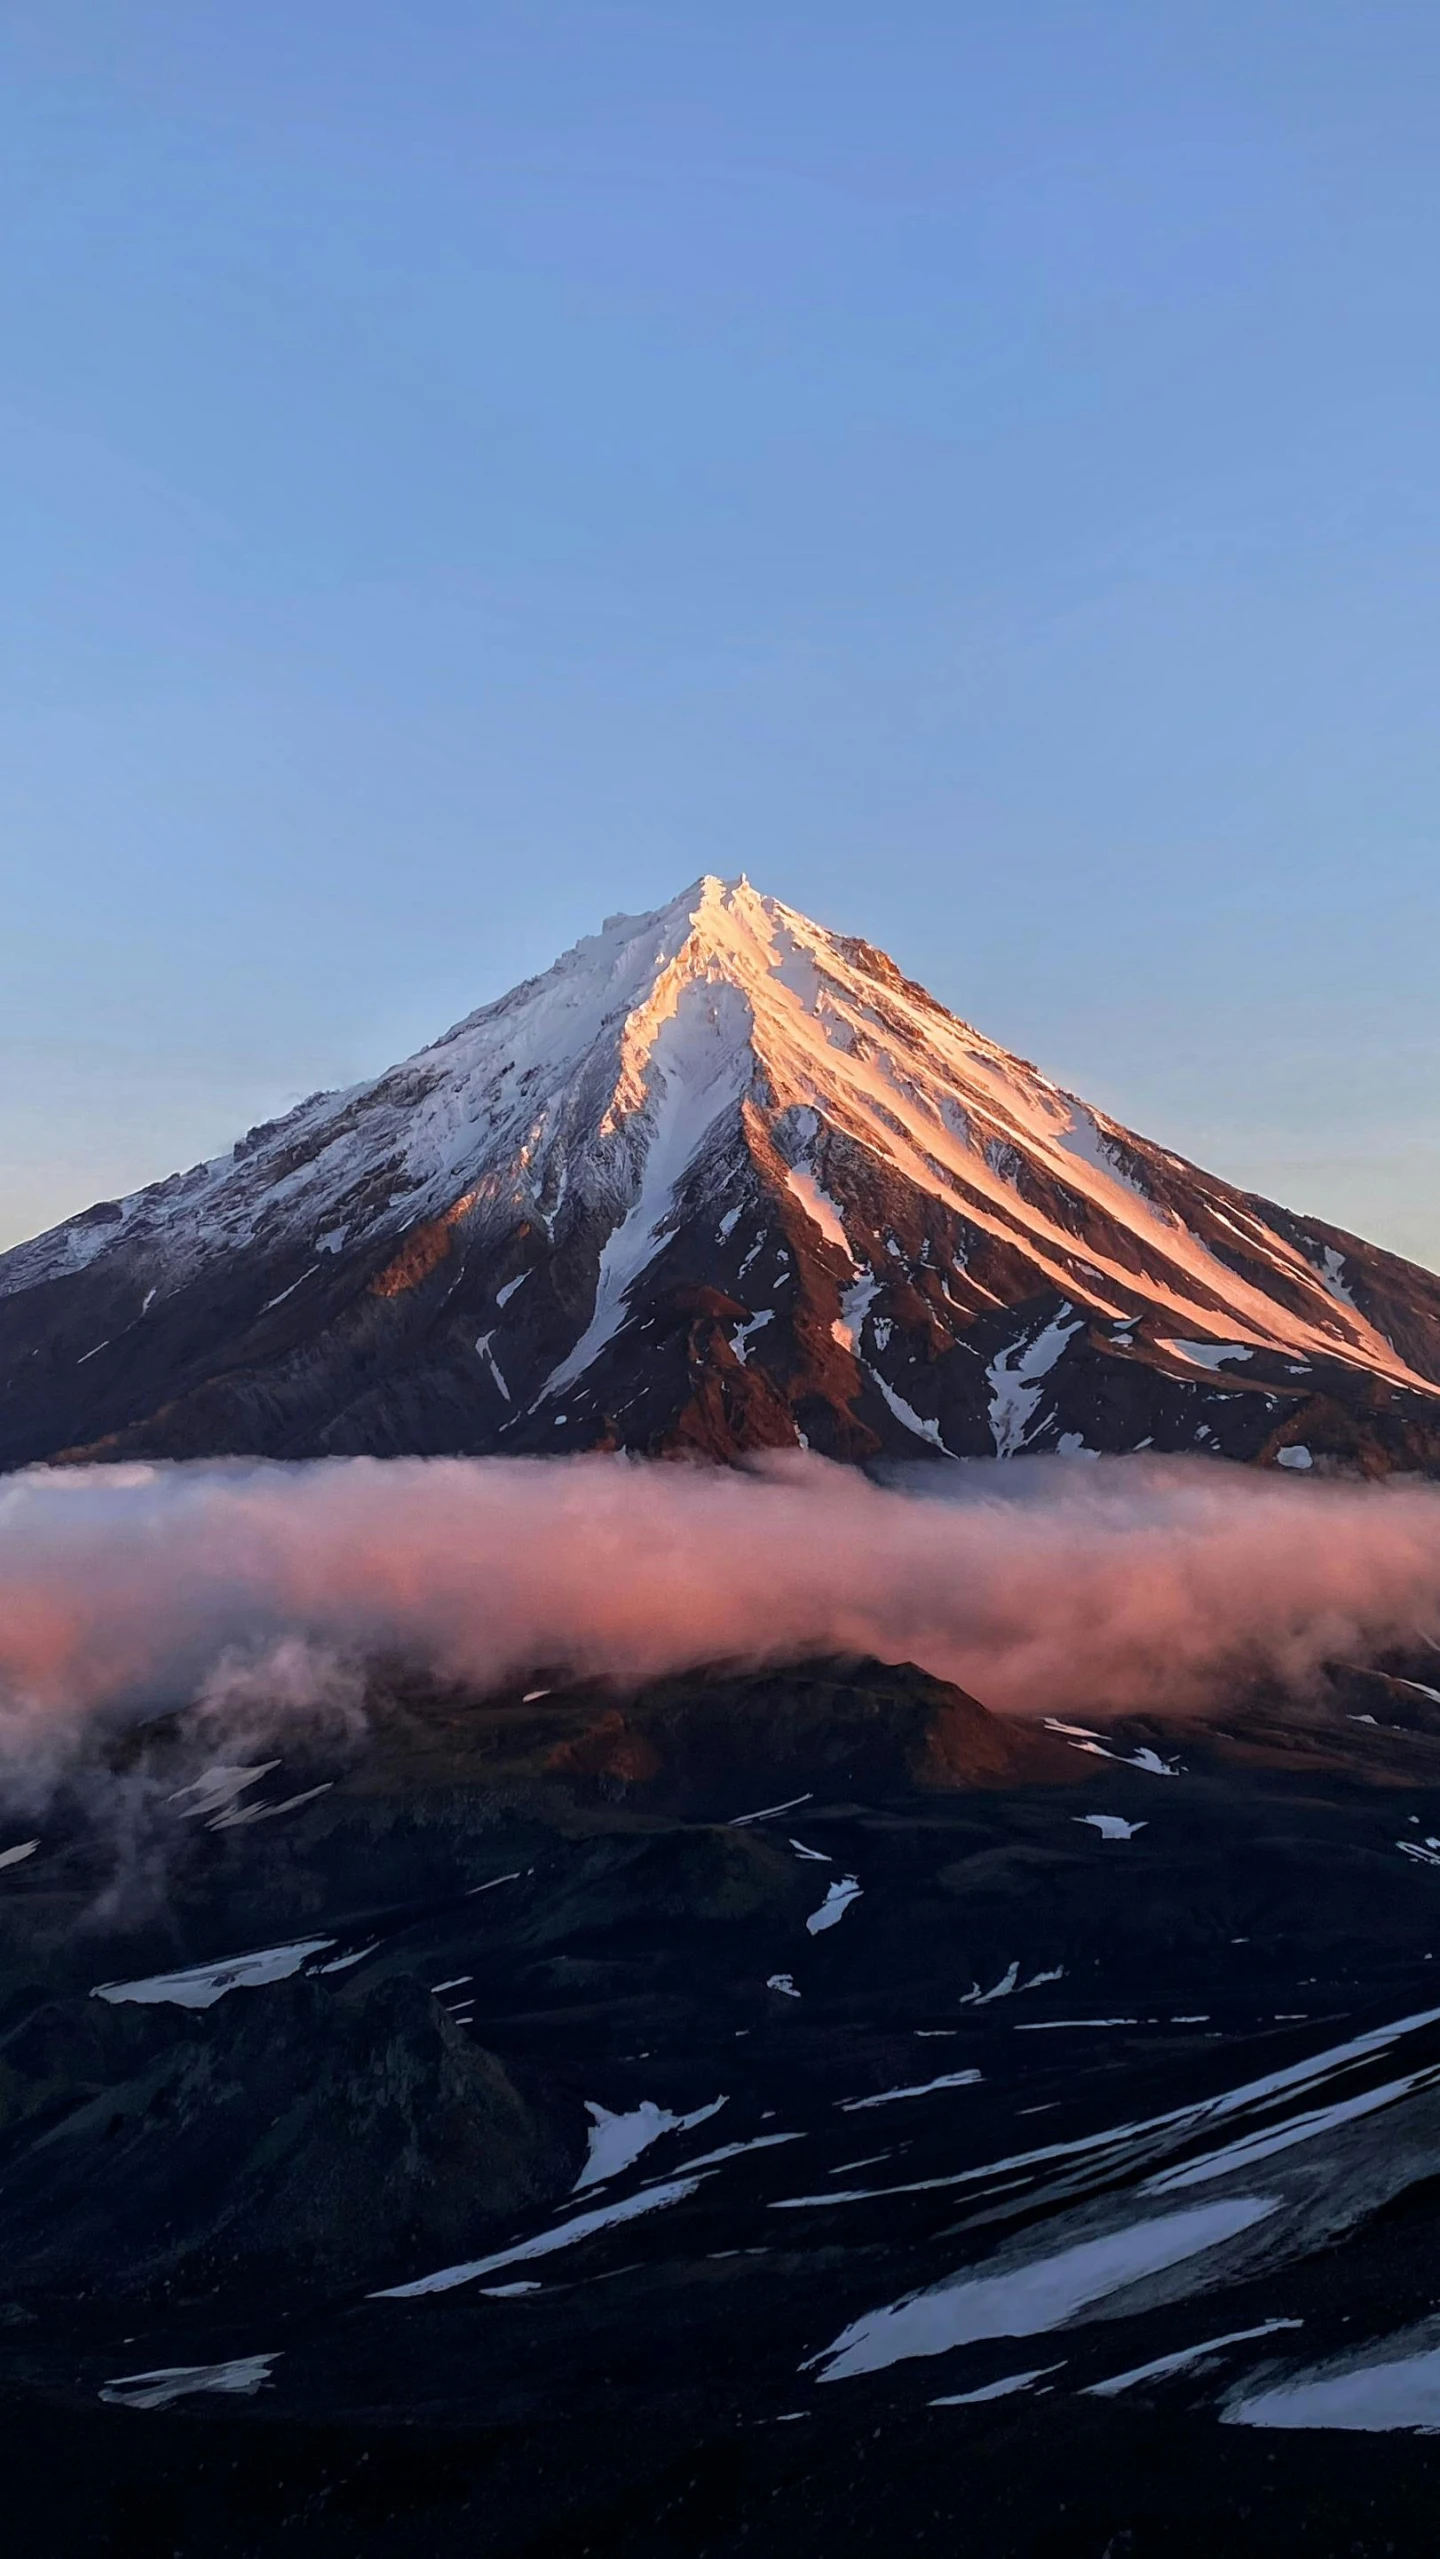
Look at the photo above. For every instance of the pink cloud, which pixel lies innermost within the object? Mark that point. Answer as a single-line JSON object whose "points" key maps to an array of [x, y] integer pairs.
{"points": [[1045, 1587]]}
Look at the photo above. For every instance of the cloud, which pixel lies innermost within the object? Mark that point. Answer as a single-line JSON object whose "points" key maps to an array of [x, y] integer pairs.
{"points": [[1040, 1586]]}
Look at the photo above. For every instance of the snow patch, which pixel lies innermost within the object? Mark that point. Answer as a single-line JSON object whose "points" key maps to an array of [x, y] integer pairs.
{"points": [[1328, 1264], [1008, 1984], [345, 1963], [282, 1294], [1063, 2025], [216, 1788], [1398, 2396], [1085, 1139], [1027, 2299], [833, 1908], [894, 2096], [975, 1997], [1014, 1378], [237, 1816], [1164, 2365], [739, 2150], [818, 1206], [1252, 2147], [1142, 1757], [240, 2378], [698, 1066], [906, 1413], [482, 1345], [567, 2234], [744, 1334], [616, 2140], [1209, 1354], [1005, 2389], [854, 1307], [200, 1985]]}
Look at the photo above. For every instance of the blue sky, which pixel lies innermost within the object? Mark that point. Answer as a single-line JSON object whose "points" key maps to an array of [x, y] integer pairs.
{"points": [[466, 469]]}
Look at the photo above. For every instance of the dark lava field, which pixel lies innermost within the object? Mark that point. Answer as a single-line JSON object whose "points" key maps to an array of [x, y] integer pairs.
{"points": [[792, 2114]]}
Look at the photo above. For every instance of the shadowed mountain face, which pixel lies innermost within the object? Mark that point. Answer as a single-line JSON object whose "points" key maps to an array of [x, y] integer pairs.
{"points": [[782, 2112], [719, 1181]]}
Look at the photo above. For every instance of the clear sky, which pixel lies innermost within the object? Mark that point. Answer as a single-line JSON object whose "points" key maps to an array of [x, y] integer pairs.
{"points": [[971, 464]]}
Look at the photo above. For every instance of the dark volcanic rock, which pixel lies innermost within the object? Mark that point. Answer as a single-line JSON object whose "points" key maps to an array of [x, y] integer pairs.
{"points": [[896, 2042], [314, 2135]]}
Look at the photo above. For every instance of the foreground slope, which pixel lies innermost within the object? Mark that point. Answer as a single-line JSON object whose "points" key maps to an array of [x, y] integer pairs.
{"points": [[719, 1180], [775, 2114]]}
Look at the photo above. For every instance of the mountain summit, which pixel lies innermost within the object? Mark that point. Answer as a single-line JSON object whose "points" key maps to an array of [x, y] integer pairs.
{"points": [[717, 1181]]}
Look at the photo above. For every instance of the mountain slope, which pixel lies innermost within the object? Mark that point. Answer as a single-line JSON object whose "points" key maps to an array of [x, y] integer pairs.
{"points": [[718, 1180]]}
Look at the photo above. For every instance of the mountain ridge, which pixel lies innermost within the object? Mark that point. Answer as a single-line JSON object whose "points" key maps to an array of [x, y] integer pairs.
{"points": [[718, 1180]]}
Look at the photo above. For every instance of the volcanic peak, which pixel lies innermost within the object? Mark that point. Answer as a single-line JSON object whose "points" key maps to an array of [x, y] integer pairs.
{"points": [[718, 1178]]}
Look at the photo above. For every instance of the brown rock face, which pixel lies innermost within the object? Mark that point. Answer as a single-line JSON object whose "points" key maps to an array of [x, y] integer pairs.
{"points": [[690, 1743]]}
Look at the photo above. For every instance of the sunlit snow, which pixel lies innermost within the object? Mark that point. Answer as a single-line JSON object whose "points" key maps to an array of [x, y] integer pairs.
{"points": [[818, 1206]]}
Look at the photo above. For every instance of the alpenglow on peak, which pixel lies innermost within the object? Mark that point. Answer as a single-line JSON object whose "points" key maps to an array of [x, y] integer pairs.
{"points": [[719, 1180]]}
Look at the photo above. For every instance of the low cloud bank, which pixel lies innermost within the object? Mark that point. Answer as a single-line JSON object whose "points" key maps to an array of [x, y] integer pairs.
{"points": [[1042, 1586]]}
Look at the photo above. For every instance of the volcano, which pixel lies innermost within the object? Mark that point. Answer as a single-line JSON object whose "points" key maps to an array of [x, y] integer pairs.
{"points": [[719, 1181]]}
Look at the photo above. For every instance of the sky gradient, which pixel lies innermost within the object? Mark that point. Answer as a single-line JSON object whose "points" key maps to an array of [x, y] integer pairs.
{"points": [[467, 469]]}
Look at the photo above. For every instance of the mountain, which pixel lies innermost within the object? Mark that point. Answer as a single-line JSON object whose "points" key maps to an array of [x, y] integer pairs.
{"points": [[717, 1181]]}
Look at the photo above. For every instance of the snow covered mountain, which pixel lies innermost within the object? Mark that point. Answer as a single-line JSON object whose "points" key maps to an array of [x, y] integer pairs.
{"points": [[719, 1180]]}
